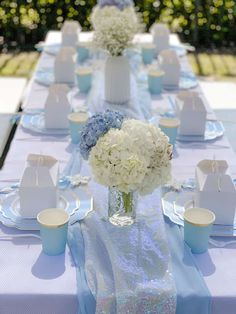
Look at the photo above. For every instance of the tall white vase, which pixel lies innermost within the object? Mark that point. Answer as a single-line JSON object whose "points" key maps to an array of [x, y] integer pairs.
{"points": [[117, 80]]}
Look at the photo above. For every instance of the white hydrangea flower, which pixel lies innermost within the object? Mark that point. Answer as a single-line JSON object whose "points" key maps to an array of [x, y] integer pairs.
{"points": [[116, 161], [137, 157]]}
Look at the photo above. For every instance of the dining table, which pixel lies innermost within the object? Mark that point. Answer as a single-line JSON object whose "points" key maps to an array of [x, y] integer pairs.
{"points": [[32, 282]]}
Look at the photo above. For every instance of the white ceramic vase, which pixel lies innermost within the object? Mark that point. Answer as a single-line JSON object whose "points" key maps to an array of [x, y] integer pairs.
{"points": [[117, 80]]}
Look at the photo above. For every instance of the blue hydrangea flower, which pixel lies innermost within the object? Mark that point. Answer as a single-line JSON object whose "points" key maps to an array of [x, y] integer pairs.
{"points": [[96, 126], [121, 4]]}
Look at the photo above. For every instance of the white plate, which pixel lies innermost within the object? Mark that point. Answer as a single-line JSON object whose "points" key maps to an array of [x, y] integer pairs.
{"points": [[174, 205], [181, 51], [214, 129], [36, 123], [78, 204]]}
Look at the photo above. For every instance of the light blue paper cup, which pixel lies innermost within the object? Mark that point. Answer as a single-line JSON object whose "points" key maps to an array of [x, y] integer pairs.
{"points": [[84, 79], [148, 53], [83, 53], [53, 224], [155, 81], [76, 122], [197, 228], [170, 127]]}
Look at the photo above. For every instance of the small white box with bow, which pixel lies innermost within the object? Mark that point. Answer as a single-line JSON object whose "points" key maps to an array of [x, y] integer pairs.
{"points": [[70, 33], [215, 190], [192, 113], [57, 107], [169, 63], [161, 36], [38, 186], [64, 67]]}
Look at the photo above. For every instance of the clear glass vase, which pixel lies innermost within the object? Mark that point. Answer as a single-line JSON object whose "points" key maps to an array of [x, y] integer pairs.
{"points": [[121, 207]]}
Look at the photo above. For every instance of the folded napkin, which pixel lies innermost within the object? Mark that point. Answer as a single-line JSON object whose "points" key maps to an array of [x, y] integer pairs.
{"points": [[127, 269]]}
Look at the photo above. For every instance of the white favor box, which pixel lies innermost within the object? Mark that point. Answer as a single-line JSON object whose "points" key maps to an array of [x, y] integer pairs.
{"points": [[38, 186], [70, 33], [169, 63], [64, 67], [57, 107], [192, 113], [215, 190], [161, 36]]}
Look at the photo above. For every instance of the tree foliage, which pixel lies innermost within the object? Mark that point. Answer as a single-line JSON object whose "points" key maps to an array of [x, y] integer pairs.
{"points": [[201, 22]]}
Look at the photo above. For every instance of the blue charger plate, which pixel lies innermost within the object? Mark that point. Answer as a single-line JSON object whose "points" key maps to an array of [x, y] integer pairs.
{"points": [[45, 76], [36, 123], [78, 205], [214, 129], [187, 81], [174, 205], [180, 51], [51, 49]]}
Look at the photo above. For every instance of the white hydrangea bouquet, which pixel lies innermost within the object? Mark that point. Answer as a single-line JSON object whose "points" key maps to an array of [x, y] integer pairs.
{"points": [[127, 156]]}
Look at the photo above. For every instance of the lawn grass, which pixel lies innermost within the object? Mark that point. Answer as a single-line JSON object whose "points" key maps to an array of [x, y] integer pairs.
{"points": [[19, 64], [219, 66]]}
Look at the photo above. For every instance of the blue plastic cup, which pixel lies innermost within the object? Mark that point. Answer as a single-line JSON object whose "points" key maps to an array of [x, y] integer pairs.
{"points": [[155, 81], [83, 52], [197, 228], [76, 122], [148, 53], [84, 79], [53, 224], [170, 127]]}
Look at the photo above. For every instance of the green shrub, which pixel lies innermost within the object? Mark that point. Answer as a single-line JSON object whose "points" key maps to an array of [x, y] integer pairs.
{"points": [[201, 22]]}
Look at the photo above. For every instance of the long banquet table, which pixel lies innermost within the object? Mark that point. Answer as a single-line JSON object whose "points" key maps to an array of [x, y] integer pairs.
{"points": [[31, 282]]}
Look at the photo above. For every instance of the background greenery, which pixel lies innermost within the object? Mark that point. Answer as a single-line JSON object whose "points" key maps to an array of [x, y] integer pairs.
{"points": [[204, 23]]}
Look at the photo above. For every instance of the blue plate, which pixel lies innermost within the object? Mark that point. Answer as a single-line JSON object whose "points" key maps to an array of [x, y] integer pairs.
{"points": [[52, 49], [214, 129], [45, 77], [174, 205], [180, 51], [36, 123], [187, 81], [77, 204]]}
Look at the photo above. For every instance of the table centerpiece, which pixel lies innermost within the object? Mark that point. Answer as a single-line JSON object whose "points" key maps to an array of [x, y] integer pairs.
{"points": [[115, 27], [128, 156]]}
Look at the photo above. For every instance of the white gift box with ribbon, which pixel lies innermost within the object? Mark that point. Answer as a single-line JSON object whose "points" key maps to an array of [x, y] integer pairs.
{"points": [[64, 67], [70, 33], [169, 63], [192, 113], [161, 36], [38, 186], [57, 107], [215, 190]]}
